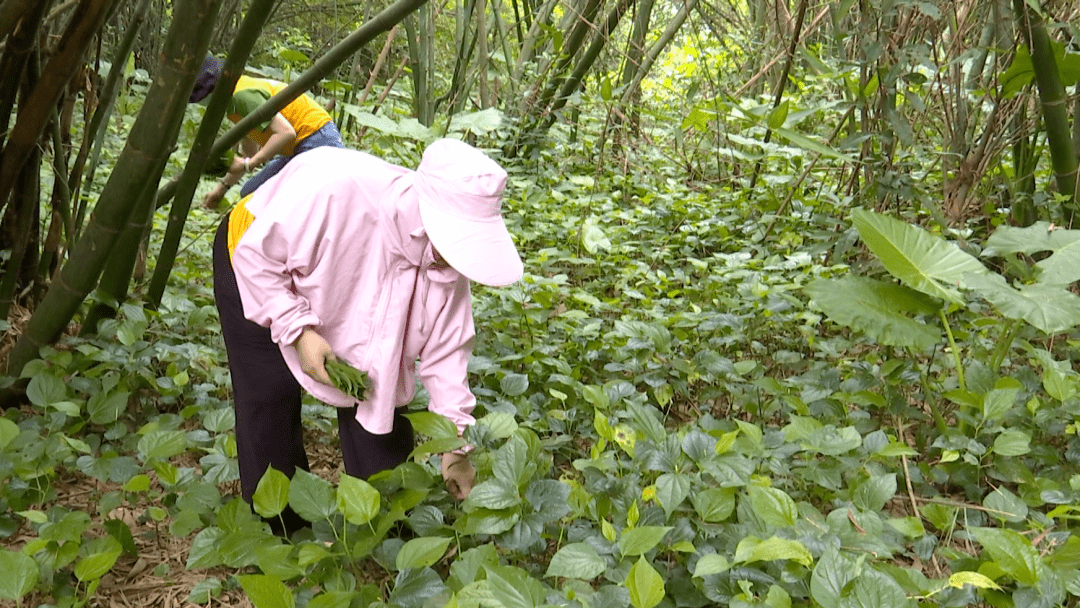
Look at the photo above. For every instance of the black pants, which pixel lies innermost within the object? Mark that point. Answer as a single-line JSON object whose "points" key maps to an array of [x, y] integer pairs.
{"points": [[267, 398]]}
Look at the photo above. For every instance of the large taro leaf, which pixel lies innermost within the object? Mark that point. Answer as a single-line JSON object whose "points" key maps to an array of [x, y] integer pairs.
{"points": [[878, 310], [1061, 268], [1051, 308], [919, 259]]}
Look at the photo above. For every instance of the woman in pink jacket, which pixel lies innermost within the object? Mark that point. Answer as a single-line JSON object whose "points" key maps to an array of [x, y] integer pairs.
{"points": [[345, 255]]}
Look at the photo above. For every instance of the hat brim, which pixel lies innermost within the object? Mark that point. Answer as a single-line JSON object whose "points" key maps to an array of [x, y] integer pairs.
{"points": [[483, 251]]}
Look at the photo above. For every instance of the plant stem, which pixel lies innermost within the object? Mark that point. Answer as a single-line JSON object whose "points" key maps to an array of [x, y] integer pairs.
{"points": [[1003, 345], [955, 351]]}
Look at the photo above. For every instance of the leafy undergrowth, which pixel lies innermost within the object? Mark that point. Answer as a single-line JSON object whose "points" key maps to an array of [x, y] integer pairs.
{"points": [[665, 419]]}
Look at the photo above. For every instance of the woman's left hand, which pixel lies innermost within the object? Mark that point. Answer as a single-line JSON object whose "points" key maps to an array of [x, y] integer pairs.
{"points": [[459, 474]]}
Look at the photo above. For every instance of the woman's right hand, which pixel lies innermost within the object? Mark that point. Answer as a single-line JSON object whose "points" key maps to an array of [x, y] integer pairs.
{"points": [[313, 351]]}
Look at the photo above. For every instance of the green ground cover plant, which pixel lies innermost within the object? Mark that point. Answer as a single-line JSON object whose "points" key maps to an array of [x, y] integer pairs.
{"points": [[667, 419]]}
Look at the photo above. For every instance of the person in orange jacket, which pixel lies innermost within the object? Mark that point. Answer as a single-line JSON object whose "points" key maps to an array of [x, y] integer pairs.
{"points": [[300, 126]]}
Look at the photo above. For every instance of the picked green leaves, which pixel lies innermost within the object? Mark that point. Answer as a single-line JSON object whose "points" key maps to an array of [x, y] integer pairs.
{"points": [[347, 378]]}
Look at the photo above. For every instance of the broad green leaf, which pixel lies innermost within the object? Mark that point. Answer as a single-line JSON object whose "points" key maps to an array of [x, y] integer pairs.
{"points": [[877, 309], [671, 490], [106, 408], [272, 494], [922, 261], [832, 574], [379, 123], [1011, 552], [45, 389], [100, 555], [138, 483], [421, 552], [576, 560], [711, 564], [20, 575], [513, 385], [911, 527], [94, 566], [357, 500], [873, 589], [1006, 505], [1012, 443], [8, 432], [1019, 74], [872, 494], [311, 553], [162, 445], [593, 238], [773, 506], [480, 123], [636, 541], [492, 494], [500, 424], [1050, 308], [998, 402], [1061, 268], [311, 496], [202, 591], [596, 395], [433, 425], [266, 591], [278, 562], [751, 549], [645, 585], [332, 599], [777, 597], [203, 552], [514, 588], [979, 581]]}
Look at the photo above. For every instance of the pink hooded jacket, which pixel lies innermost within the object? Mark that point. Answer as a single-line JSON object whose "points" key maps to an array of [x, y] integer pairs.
{"points": [[338, 244]]}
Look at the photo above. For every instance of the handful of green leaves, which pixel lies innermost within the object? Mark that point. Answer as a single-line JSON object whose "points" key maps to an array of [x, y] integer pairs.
{"points": [[347, 378]]}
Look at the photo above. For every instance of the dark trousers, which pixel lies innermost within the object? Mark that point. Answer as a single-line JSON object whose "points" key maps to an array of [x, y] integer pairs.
{"points": [[269, 432]]}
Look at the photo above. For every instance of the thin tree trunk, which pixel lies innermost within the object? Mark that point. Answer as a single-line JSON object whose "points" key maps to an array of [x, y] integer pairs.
{"points": [[216, 110], [782, 83], [588, 59], [528, 48], [482, 64], [571, 46], [636, 50], [1055, 111], [16, 53], [94, 132], [12, 11], [24, 213], [35, 113], [152, 138], [654, 51]]}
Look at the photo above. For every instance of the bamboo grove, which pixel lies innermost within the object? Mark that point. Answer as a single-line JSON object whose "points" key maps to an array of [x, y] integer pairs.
{"points": [[990, 78]]}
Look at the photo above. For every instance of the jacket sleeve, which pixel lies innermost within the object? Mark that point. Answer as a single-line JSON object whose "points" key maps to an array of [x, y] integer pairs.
{"points": [[444, 358], [276, 247]]}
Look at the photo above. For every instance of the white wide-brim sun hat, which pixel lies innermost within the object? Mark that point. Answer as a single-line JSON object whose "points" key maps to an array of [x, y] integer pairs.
{"points": [[460, 192]]}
